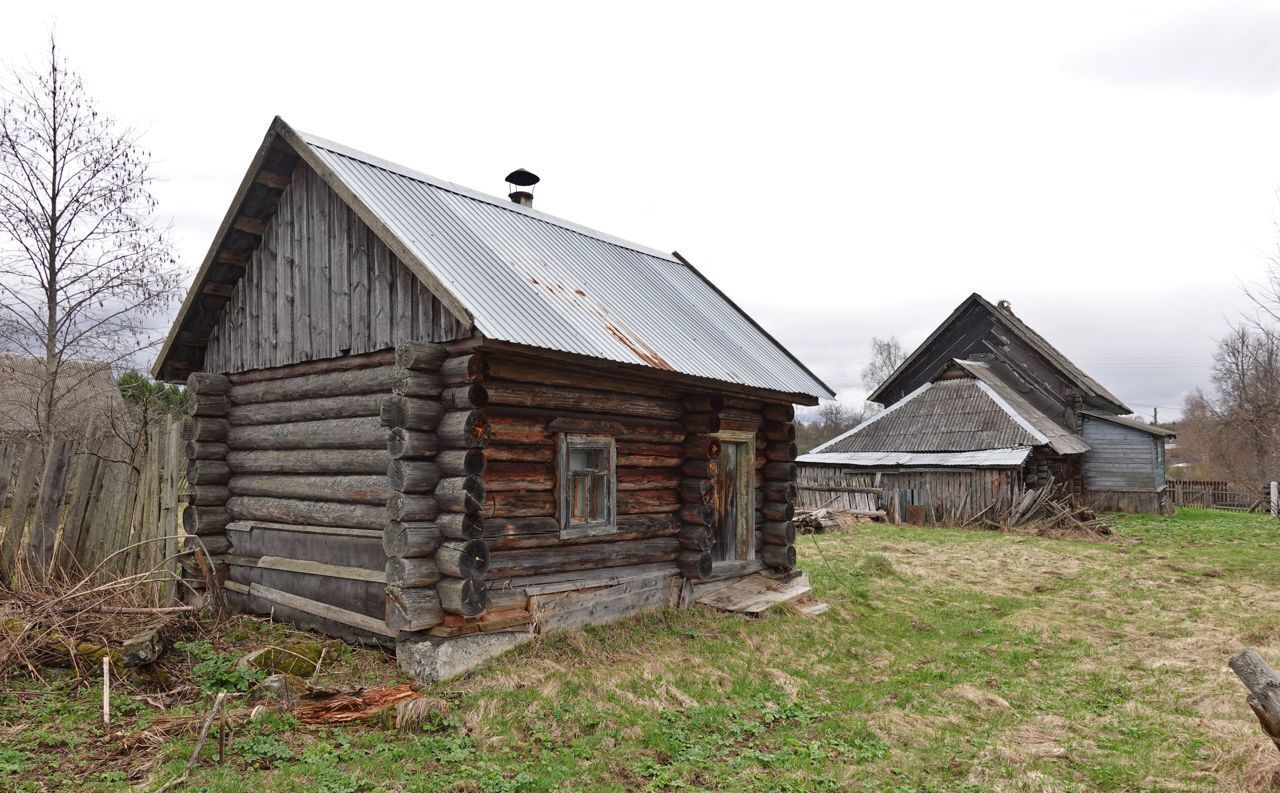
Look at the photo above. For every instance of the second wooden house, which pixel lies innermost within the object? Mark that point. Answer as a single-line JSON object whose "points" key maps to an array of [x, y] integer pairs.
{"points": [[430, 417]]}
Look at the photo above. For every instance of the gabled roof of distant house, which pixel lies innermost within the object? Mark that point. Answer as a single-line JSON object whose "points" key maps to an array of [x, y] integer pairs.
{"points": [[522, 276], [963, 416], [1133, 424], [1008, 320]]}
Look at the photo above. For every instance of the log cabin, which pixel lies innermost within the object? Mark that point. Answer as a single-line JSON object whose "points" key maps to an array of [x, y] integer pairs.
{"points": [[427, 417], [982, 410]]}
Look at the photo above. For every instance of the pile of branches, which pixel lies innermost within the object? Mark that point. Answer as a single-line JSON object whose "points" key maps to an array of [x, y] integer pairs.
{"points": [[65, 619], [1045, 510]]}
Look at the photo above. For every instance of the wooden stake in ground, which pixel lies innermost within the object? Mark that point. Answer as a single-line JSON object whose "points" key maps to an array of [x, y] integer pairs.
{"points": [[181, 779], [1264, 691], [106, 690]]}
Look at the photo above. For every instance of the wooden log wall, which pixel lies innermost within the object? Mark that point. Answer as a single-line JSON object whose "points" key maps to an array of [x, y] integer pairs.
{"points": [[776, 457], [303, 504], [205, 519], [319, 285], [697, 486]]}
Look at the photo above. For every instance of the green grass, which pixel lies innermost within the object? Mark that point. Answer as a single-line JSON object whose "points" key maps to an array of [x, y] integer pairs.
{"points": [[950, 660]]}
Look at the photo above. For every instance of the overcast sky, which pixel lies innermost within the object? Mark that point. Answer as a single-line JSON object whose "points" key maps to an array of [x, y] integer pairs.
{"points": [[839, 171]]}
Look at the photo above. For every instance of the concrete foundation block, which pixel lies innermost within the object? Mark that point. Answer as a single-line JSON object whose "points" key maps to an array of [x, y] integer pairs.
{"points": [[429, 660]]}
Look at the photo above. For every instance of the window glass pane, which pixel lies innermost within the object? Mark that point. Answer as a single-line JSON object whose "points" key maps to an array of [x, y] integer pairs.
{"points": [[586, 459]]}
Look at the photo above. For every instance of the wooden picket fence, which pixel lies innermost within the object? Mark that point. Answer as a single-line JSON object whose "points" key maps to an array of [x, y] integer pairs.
{"points": [[99, 505], [1217, 494]]}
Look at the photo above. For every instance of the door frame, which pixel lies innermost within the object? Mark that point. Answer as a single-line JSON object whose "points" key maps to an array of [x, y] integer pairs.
{"points": [[746, 484]]}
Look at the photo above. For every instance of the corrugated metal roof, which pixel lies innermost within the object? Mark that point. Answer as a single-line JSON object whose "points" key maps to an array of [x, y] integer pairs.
{"points": [[986, 458], [530, 278], [1060, 439]]}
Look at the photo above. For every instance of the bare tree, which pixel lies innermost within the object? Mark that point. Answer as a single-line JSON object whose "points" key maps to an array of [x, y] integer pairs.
{"points": [[83, 265], [886, 356], [832, 418]]}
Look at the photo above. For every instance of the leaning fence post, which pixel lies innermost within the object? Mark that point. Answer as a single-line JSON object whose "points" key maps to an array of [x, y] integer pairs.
{"points": [[1275, 499]]}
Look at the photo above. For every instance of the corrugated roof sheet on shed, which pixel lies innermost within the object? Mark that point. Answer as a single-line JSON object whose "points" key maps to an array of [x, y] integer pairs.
{"points": [[530, 278], [986, 458]]}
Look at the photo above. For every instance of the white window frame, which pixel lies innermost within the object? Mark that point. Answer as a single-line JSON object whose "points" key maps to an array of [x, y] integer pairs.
{"points": [[564, 484]]}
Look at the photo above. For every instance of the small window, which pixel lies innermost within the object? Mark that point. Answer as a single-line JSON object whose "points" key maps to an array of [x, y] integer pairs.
{"points": [[588, 486]]}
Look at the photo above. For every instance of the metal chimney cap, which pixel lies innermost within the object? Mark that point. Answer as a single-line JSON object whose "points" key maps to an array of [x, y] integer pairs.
{"points": [[522, 178]]}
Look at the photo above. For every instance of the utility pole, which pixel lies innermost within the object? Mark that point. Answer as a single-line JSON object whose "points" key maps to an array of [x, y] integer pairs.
{"points": [[1155, 415]]}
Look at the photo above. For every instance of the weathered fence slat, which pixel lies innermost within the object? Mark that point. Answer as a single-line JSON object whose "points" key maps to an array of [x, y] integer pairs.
{"points": [[44, 530], [19, 506]]}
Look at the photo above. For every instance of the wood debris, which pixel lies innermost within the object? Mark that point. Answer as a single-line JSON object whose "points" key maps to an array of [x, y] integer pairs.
{"points": [[1045, 510]]}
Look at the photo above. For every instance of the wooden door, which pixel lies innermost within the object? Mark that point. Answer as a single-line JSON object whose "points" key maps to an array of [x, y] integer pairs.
{"points": [[735, 502]]}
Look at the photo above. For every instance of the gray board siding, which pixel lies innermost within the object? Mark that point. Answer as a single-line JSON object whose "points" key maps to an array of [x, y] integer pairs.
{"points": [[1121, 458], [321, 285]]}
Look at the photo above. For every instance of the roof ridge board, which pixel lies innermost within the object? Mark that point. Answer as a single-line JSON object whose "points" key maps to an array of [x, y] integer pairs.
{"points": [[477, 195]]}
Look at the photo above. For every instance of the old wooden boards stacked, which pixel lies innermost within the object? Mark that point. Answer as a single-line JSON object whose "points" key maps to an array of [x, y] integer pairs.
{"points": [[436, 555], [777, 534]]}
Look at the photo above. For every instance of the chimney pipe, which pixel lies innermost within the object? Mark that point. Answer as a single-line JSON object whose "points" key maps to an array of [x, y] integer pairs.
{"points": [[521, 178]]}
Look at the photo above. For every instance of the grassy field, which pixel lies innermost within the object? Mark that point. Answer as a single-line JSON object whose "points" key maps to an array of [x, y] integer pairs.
{"points": [[950, 660]]}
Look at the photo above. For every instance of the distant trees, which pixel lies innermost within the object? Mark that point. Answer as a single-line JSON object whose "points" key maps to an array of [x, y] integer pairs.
{"points": [[83, 265], [886, 356], [830, 420]]}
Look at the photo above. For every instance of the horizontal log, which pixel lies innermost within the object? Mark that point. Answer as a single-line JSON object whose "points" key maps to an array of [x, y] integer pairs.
{"points": [[703, 403], [206, 430], [496, 452], [781, 451], [410, 413], [410, 539], [701, 423], [701, 447], [322, 366], [696, 491], [743, 403], [419, 384], [377, 380], [413, 609], [349, 433], [317, 513], [504, 476], [464, 369], [463, 494], [698, 514], [648, 461], [472, 396], [648, 478], [781, 472], [208, 495], [409, 507], [413, 476], [208, 383], [293, 410], [204, 450], [420, 356], [351, 547], [695, 565], [586, 426], [461, 462], [356, 489], [208, 472], [782, 414], [780, 432], [560, 559], [524, 370], [465, 596], [213, 405], [778, 532], [633, 429], [516, 533], [309, 461], [739, 425], [205, 520], [408, 444], [783, 557], [519, 504], [695, 538], [701, 469], [211, 544], [463, 558], [560, 398], [632, 502], [778, 491], [779, 510], [412, 572], [464, 429], [460, 526], [506, 430]]}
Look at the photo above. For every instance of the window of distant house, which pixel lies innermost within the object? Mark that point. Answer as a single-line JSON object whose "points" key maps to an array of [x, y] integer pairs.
{"points": [[588, 485]]}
